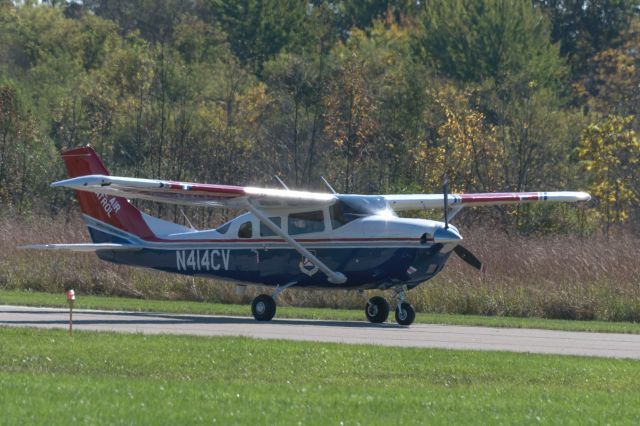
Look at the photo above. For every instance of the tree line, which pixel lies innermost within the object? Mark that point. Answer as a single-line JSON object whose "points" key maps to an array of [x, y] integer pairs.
{"points": [[377, 96]]}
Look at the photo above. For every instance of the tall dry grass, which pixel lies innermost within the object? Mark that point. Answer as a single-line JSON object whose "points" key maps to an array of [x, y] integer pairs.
{"points": [[549, 276]]}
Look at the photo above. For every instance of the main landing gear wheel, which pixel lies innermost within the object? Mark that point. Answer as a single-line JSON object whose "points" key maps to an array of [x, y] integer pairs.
{"points": [[263, 307], [405, 314], [377, 309]]}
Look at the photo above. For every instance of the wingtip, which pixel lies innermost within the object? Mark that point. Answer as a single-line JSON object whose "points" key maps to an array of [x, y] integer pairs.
{"points": [[583, 196]]}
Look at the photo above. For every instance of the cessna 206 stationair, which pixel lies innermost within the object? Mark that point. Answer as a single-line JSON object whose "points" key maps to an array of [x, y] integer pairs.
{"points": [[285, 238]]}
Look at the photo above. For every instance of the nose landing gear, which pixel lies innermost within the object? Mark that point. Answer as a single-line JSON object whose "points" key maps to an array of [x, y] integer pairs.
{"points": [[377, 309], [405, 314]]}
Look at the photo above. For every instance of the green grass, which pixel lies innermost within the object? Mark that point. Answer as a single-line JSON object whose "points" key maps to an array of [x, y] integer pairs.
{"points": [[13, 297], [107, 378]]}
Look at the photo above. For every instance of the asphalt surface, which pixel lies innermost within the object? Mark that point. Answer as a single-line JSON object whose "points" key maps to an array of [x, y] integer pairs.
{"points": [[417, 335]]}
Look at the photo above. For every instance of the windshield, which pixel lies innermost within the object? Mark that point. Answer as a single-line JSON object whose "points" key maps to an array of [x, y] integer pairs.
{"points": [[365, 204], [351, 207]]}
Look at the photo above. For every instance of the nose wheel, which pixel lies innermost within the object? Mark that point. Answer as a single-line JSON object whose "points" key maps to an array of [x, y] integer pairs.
{"points": [[405, 314]]}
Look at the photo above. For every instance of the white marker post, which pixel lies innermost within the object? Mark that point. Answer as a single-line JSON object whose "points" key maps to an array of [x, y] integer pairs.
{"points": [[71, 298]]}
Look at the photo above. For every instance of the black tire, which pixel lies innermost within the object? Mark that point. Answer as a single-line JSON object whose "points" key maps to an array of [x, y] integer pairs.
{"points": [[377, 309], [405, 315], [263, 307]]}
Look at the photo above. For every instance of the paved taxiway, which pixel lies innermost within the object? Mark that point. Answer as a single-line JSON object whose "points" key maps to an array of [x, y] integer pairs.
{"points": [[418, 335]]}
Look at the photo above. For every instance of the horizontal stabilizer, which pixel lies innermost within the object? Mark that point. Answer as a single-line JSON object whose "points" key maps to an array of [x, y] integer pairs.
{"points": [[83, 247]]}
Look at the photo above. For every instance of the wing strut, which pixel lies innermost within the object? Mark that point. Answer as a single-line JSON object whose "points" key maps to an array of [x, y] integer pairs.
{"points": [[333, 276]]}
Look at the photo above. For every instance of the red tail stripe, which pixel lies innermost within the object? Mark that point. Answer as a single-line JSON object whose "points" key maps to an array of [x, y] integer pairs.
{"points": [[221, 190]]}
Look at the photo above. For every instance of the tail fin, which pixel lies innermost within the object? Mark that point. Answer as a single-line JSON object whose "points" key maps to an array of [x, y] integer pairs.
{"points": [[104, 209]]}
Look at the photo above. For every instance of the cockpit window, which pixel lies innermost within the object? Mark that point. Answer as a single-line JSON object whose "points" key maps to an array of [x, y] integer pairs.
{"points": [[341, 214], [306, 222], [365, 204], [265, 231], [349, 208], [245, 230]]}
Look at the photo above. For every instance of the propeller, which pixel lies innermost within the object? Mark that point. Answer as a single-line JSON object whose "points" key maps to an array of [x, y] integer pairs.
{"points": [[462, 252], [470, 258]]}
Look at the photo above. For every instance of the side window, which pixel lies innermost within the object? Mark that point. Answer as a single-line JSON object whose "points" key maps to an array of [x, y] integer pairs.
{"points": [[245, 230], [304, 223], [224, 228], [265, 231]]}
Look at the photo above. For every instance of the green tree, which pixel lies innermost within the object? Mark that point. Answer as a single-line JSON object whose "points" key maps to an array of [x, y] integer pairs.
{"points": [[25, 156], [586, 27], [258, 29], [475, 40], [613, 85]]}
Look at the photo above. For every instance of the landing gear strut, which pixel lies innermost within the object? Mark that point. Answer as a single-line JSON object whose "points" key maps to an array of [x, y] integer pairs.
{"points": [[405, 314], [377, 309]]}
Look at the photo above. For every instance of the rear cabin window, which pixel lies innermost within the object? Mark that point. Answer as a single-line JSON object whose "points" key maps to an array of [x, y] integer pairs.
{"points": [[245, 230], [265, 231], [306, 222], [224, 228]]}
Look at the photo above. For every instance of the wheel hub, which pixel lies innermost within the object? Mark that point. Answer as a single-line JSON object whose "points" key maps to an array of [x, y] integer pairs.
{"points": [[402, 314], [372, 309]]}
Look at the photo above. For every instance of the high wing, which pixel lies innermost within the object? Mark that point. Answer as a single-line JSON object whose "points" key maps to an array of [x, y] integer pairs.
{"points": [[213, 195], [198, 194], [435, 201]]}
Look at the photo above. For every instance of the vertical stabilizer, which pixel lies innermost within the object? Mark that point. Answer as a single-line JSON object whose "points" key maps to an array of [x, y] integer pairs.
{"points": [[114, 211]]}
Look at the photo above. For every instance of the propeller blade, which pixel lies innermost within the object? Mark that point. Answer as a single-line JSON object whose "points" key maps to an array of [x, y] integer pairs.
{"points": [[468, 257]]}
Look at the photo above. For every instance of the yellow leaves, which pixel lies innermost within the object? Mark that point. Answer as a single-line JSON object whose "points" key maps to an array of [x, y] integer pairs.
{"points": [[253, 102], [467, 149], [609, 152]]}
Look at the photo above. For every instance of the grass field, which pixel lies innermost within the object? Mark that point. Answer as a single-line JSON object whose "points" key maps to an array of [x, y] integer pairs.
{"points": [[12, 297], [105, 378]]}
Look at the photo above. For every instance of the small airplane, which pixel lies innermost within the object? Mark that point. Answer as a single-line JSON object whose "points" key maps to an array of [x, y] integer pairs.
{"points": [[286, 238]]}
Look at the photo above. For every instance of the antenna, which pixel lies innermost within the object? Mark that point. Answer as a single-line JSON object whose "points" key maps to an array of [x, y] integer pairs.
{"points": [[327, 183], [281, 182]]}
